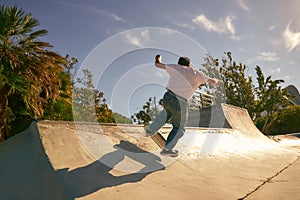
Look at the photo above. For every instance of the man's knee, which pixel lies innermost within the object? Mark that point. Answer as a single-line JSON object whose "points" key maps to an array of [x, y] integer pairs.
{"points": [[180, 132]]}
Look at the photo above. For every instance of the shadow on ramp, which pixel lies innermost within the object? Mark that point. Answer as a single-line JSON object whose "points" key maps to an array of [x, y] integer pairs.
{"points": [[25, 171], [97, 175]]}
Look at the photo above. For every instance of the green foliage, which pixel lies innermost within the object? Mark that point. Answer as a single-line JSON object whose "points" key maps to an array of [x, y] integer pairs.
{"points": [[103, 113], [89, 104], [238, 86], [84, 98], [37, 83], [211, 69], [150, 110], [120, 119], [270, 96], [286, 121], [28, 70], [61, 107], [59, 110], [261, 122]]}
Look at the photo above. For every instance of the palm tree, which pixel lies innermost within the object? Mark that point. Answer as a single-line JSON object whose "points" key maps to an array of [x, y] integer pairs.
{"points": [[28, 70]]}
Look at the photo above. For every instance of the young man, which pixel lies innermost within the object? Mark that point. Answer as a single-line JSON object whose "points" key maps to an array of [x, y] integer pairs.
{"points": [[183, 82]]}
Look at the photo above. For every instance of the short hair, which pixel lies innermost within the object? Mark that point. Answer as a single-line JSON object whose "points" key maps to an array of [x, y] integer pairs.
{"points": [[185, 61]]}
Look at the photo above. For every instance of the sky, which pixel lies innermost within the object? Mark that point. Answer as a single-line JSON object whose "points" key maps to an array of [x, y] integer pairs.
{"points": [[117, 40]]}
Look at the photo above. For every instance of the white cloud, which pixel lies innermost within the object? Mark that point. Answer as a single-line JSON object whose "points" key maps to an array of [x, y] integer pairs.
{"points": [[239, 37], [116, 18], [94, 10], [229, 25], [222, 26], [275, 71], [114, 30], [105, 13], [291, 39], [243, 5], [292, 62], [271, 28], [145, 35], [134, 40], [241, 49], [138, 39], [185, 25], [275, 42], [268, 56], [287, 77]]}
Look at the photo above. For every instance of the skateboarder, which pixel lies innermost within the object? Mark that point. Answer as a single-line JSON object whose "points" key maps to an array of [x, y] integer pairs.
{"points": [[183, 82]]}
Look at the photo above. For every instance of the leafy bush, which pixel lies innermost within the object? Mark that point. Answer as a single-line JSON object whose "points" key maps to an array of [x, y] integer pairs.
{"points": [[286, 121], [59, 110], [28, 71], [260, 123], [120, 119]]}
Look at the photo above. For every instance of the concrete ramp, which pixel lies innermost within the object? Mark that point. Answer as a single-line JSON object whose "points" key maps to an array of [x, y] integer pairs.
{"points": [[239, 119], [209, 117], [225, 116], [25, 170], [69, 160]]}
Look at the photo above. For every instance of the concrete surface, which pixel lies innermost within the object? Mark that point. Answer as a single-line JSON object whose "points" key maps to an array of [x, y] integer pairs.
{"points": [[67, 160]]}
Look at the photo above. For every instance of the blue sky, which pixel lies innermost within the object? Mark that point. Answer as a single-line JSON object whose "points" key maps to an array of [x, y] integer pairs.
{"points": [[264, 33]]}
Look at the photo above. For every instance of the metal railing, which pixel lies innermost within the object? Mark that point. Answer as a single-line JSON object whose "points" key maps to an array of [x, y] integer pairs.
{"points": [[201, 100]]}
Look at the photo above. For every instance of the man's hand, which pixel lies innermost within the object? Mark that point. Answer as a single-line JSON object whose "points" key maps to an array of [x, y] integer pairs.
{"points": [[158, 59], [217, 81], [214, 81], [158, 62]]}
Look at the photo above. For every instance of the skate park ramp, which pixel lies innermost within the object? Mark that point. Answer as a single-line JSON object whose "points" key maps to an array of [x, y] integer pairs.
{"points": [[239, 119], [26, 172], [68, 160]]}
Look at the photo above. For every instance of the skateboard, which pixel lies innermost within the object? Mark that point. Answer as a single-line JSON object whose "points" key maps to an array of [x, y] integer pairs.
{"points": [[159, 140]]}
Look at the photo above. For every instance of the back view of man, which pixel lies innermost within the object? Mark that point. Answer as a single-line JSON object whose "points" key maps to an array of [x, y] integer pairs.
{"points": [[183, 82]]}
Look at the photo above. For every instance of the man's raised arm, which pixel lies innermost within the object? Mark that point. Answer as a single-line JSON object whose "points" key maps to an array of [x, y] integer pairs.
{"points": [[158, 62]]}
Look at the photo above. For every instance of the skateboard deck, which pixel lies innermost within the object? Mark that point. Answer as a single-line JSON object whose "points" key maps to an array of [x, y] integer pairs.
{"points": [[159, 140]]}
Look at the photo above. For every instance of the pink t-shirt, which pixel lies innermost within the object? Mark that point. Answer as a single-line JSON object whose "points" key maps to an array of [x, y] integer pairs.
{"points": [[184, 81]]}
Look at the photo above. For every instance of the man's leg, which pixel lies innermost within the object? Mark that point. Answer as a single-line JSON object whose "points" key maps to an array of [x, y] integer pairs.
{"points": [[179, 120], [161, 118], [159, 122]]}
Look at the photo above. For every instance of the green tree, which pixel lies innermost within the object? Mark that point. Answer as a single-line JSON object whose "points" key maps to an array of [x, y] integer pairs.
{"points": [[28, 70], [271, 98], [84, 98], [285, 121], [212, 69], [238, 87], [149, 111], [103, 113], [120, 119], [89, 103], [267, 97], [61, 107]]}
